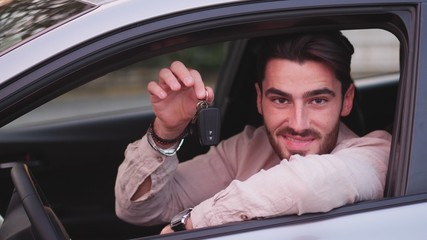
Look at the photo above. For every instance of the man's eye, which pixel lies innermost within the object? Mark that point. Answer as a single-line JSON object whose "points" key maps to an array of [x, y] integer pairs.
{"points": [[319, 101], [280, 100]]}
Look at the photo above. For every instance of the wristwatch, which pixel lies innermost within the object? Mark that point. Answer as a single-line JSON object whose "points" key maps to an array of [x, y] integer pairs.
{"points": [[179, 220]]}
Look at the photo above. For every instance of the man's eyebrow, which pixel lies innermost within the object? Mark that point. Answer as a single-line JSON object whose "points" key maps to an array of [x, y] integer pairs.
{"points": [[277, 92], [306, 95], [319, 92]]}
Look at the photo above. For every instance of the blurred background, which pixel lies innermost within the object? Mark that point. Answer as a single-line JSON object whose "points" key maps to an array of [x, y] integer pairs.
{"points": [[376, 54]]}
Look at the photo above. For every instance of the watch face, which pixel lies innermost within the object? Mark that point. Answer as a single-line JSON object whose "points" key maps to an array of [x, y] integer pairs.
{"points": [[179, 220]]}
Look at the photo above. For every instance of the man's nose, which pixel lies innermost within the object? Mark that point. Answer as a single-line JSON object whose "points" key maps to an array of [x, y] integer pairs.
{"points": [[299, 119]]}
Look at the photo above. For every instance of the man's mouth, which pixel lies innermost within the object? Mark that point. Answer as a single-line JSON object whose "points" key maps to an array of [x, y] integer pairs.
{"points": [[294, 142], [299, 139]]}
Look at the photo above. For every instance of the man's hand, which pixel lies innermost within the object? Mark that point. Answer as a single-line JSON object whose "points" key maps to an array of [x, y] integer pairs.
{"points": [[174, 98], [168, 229]]}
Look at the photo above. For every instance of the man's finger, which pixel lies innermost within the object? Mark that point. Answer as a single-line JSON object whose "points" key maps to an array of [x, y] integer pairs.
{"points": [[182, 73], [168, 79], [155, 90], [199, 86]]}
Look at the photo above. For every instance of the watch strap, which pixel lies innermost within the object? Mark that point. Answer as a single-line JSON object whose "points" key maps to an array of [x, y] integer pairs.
{"points": [[178, 221]]}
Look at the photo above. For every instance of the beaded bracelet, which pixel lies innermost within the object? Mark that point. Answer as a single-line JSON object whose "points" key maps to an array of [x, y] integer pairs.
{"points": [[163, 141]]}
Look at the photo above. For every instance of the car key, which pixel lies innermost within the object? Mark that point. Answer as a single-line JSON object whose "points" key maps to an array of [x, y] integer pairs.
{"points": [[206, 124]]}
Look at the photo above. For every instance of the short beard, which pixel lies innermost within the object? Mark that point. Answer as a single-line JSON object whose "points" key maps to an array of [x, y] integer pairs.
{"points": [[326, 147]]}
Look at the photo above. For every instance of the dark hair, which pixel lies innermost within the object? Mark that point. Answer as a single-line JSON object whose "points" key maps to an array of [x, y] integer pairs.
{"points": [[331, 48]]}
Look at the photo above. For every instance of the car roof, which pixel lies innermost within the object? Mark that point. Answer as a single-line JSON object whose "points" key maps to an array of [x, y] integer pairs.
{"points": [[100, 19]]}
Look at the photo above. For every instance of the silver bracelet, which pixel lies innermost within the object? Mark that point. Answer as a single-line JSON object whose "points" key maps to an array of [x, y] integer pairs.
{"points": [[167, 152]]}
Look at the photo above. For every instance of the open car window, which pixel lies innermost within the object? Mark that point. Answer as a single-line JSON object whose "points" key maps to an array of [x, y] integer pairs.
{"points": [[376, 59], [376, 53], [375, 70], [125, 89], [376, 73]]}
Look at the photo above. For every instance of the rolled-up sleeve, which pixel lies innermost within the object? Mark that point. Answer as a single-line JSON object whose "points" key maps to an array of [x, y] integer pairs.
{"points": [[132, 173], [354, 171]]}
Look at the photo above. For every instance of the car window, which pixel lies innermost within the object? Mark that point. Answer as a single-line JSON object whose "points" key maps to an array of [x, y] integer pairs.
{"points": [[19, 20], [376, 54], [125, 88], [376, 73]]}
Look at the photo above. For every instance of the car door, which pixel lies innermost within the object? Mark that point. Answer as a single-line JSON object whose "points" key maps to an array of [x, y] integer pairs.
{"points": [[76, 141], [75, 157]]}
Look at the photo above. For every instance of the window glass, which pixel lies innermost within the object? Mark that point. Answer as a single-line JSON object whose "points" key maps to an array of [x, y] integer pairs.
{"points": [[21, 19], [125, 89]]}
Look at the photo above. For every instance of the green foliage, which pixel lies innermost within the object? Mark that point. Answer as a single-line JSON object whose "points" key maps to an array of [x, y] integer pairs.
{"points": [[204, 58]]}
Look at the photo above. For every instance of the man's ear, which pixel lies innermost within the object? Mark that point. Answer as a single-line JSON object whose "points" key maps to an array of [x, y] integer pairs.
{"points": [[348, 101], [258, 98]]}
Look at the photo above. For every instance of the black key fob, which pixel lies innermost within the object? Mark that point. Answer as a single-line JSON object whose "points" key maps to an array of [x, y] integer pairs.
{"points": [[208, 126]]}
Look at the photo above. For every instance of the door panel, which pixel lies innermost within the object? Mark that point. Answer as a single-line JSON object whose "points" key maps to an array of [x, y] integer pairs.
{"points": [[75, 163]]}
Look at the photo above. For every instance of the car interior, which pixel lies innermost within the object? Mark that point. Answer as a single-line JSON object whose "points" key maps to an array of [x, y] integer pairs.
{"points": [[73, 160]]}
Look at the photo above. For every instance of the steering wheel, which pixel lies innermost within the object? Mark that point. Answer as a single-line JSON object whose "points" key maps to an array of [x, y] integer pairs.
{"points": [[44, 222]]}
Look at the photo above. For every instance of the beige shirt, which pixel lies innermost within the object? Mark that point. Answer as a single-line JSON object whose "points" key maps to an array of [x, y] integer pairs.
{"points": [[242, 178]]}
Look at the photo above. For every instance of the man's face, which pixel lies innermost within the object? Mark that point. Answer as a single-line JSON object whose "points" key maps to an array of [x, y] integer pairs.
{"points": [[301, 104]]}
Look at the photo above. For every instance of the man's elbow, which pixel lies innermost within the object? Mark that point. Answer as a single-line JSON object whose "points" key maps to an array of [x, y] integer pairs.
{"points": [[137, 217], [124, 214]]}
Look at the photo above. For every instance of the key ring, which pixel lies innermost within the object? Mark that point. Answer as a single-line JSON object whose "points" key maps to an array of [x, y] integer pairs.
{"points": [[201, 104]]}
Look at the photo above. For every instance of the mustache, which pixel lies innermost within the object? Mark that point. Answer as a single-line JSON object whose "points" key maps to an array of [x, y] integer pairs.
{"points": [[304, 133]]}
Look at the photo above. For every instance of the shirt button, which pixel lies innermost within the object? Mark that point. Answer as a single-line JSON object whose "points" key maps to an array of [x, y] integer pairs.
{"points": [[244, 217], [159, 159]]}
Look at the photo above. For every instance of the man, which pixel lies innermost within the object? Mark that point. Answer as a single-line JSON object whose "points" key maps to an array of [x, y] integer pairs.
{"points": [[302, 160]]}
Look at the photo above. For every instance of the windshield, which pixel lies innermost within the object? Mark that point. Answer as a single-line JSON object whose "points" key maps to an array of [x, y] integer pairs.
{"points": [[22, 19]]}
